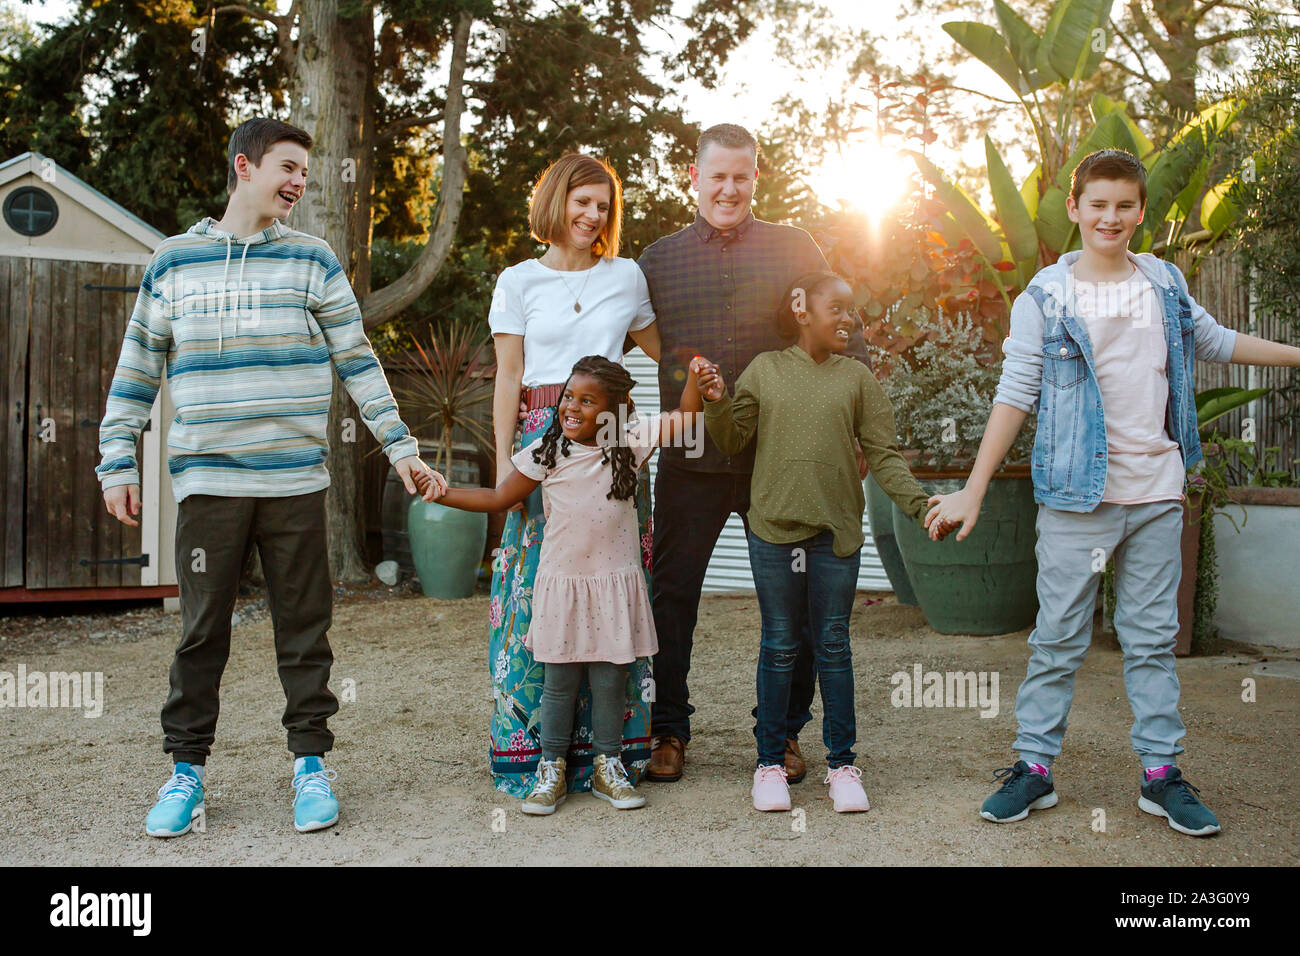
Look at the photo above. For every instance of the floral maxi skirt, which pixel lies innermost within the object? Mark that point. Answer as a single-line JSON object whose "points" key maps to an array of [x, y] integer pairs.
{"points": [[516, 743]]}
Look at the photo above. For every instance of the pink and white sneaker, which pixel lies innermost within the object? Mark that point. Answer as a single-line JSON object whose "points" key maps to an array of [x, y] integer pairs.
{"points": [[846, 790], [770, 790]]}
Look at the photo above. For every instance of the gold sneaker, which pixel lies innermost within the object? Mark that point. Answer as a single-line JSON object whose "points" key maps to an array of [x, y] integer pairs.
{"points": [[610, 783], [550, 789]]}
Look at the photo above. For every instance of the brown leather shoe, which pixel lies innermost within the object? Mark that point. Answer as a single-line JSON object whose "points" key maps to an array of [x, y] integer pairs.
{"points": [[795, 769], [667, 756]]}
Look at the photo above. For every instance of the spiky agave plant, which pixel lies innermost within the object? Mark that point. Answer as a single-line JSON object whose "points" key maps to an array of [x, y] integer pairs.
{"points": [[451, 378]]}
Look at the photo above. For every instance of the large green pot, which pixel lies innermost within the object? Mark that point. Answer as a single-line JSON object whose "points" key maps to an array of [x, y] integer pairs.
{"points": [[984, 584], [446, 547], [880, 515]]}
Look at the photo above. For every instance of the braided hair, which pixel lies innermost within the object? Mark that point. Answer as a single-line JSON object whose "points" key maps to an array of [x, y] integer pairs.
{"points": [[617, 385]]}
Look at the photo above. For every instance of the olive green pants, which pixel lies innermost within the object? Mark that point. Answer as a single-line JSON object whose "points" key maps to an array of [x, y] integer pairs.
{"points": [[214, 536]]}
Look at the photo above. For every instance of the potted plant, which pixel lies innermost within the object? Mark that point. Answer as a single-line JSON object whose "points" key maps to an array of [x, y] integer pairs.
{"points": [[452, 377], [942, 394]]}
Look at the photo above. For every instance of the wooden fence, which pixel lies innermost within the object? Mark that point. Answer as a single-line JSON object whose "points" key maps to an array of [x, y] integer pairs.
{"points": [[1220, 285]]}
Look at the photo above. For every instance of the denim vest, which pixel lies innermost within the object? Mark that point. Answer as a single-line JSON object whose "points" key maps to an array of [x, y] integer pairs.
{"points": [[1069, 458]]}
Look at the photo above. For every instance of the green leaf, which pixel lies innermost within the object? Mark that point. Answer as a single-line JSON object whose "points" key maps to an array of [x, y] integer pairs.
{"points": [[1017, 224], [1212, 404], [1022, 42], [1067, 44], [974, 222], [1029, 190], [1110, 133], [1182, 155], [1182, 205], [1102, 106], [1053, 221], [990, 49], [1218, 210]]}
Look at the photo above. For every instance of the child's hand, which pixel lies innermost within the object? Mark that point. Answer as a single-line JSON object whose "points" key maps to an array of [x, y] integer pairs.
{"points": [[430, 484], [961, 509], [707, 378]]}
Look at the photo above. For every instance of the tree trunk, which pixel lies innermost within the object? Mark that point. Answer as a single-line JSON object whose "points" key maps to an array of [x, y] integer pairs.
{"points": [[397, 295], [333, 98], [332, 72], [1179, 57]]}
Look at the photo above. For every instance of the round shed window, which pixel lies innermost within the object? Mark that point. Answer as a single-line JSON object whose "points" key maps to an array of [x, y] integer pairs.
{"points": [[30, 211]]}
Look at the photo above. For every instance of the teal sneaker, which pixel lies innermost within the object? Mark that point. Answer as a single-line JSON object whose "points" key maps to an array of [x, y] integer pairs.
{"points": [[314, 805], [180, 803], [1175, 799], [1022, 790]]}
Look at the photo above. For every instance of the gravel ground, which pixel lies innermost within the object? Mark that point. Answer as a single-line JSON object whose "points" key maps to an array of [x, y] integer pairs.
{"points": [[411, 753]]}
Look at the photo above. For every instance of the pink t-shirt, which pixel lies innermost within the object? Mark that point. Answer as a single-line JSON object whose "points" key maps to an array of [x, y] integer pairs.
{"points": [[1125, 323]]}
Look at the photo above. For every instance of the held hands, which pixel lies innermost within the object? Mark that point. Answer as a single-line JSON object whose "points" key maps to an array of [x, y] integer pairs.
{"points": [[419, 478], [961, 509], [707, 378]]}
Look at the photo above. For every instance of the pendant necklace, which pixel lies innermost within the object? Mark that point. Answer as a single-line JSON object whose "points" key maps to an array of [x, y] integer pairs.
{"points": [[576, 306]]}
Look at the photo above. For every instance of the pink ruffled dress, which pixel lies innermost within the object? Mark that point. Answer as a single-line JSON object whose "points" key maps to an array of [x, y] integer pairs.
{"points": [[589, 596]]}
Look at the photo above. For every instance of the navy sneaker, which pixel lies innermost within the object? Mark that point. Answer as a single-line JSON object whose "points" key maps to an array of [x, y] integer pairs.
{"points": [[1175, 799], [1022, 790]]}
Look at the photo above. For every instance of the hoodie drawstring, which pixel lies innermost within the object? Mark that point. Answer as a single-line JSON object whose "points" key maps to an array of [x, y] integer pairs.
{"points": [[221, 302], [239, 288], [225, 290]]}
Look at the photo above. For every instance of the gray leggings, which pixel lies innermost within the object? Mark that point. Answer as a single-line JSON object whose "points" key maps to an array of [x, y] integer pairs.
{"points": [[608, 704]]}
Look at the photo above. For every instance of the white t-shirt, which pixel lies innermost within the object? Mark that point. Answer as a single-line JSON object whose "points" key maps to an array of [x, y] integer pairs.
{"points": [[536, 301], [1126, 325]]}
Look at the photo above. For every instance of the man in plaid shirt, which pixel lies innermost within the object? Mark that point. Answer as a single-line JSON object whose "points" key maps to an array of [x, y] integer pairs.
{"points": [[716, 286]]}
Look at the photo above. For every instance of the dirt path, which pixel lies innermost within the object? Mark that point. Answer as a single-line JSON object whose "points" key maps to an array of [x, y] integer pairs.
{"points": [[411, 756]]}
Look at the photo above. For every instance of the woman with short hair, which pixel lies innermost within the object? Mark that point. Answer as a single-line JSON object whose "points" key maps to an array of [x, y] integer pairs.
{"points": [[576, 299]]}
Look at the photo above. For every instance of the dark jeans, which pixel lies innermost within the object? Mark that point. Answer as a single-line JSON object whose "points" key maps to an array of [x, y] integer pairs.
{"points": [[214, 536], [797, 581], [691, 508]]}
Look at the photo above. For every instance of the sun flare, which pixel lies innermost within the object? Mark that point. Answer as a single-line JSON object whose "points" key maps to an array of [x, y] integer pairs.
{"points": [[864, 176]]}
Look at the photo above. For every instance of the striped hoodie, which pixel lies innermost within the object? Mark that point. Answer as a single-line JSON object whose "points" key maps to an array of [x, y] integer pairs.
{"points": [[247, 331]]}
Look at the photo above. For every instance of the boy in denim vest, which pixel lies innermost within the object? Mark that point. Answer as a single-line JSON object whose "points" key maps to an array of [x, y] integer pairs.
{"points": [[1104, 344]]}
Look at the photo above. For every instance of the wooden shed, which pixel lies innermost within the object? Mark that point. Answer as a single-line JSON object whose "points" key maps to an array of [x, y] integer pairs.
{"points": [[70, 266]]}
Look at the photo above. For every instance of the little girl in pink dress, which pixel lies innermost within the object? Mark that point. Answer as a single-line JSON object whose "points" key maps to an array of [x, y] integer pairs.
{"points": [[590, 607]]}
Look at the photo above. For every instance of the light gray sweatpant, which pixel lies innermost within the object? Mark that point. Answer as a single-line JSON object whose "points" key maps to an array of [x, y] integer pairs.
{"points": [[1072, 549]]}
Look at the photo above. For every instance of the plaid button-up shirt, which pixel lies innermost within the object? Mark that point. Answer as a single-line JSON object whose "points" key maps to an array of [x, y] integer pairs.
{"points": [[716, 294]]}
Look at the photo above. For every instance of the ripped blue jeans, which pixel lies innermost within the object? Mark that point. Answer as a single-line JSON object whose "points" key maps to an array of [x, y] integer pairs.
{"points": [[794, 580]]}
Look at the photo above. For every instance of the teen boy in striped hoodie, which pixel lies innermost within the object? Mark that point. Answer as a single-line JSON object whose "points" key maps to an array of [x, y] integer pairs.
{"points": [[248, 318]]}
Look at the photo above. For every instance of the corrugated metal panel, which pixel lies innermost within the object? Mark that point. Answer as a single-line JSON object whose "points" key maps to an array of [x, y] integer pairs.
{"points": [[729, 567]]}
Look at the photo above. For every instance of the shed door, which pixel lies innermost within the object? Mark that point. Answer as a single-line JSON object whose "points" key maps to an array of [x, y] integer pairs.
{"points": [[78, 314], [14, 327]]}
